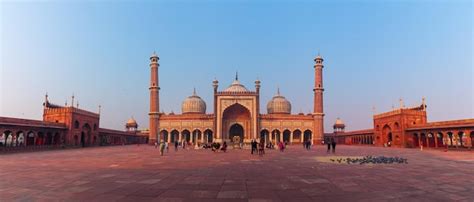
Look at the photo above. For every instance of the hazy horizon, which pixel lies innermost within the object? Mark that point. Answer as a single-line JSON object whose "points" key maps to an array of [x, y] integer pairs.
{"points": [[374, 54]]}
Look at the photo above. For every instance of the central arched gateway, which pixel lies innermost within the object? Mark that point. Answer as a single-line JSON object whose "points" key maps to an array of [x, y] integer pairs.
{"points": [[236, 121]]}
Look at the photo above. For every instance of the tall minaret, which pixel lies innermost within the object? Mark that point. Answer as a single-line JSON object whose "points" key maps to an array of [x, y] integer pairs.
{"points": [[154, 100], [318, 113]]}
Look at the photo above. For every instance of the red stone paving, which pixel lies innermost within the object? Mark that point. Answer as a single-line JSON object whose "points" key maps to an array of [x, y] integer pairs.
{"points": [[131, 173]]}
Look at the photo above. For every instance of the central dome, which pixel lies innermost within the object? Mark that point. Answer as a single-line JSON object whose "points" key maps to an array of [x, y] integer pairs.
{"points": [[279, 105], [236, 86], [193, 104]]}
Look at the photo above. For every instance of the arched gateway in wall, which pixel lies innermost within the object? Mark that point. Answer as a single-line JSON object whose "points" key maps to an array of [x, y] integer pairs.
{"points": [[236, 122]]}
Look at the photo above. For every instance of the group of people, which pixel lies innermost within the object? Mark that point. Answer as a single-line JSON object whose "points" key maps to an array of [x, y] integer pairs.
{"points": [[217, 146], [331, 144], [165, 146], [258, 147], [307, 144]]}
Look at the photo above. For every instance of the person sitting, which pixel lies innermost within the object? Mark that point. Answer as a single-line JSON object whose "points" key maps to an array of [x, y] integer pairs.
{"points": [[224, 147]]}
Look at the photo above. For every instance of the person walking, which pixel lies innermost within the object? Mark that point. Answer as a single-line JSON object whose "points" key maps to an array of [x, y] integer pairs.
{"points": [[329, 146], [176, 144], [261, 149], [184, 144], [162, 148], [254, 146], [281, 146], [167, 147], [156, 145], [333, 143]]}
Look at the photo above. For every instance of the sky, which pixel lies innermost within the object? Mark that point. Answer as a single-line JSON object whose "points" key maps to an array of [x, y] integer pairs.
{"points": [[375, 52]]}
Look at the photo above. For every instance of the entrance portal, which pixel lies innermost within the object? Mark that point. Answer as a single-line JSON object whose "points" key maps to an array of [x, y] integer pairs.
{"points": [[236, 123], [236, 130]]}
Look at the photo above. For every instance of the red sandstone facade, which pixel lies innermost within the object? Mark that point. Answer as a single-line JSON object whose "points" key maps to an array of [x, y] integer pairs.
{"points": [[236, 114], [62, 126], [409, 127]]}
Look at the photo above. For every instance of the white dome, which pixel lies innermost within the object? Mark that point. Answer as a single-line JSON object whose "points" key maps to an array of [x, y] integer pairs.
{"points": [[236, 86], [339, 123], [131, 123], [279, 105], [193, 104]]}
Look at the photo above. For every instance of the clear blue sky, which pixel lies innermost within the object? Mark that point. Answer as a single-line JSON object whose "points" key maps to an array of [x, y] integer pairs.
{"points": [[375, 52]]}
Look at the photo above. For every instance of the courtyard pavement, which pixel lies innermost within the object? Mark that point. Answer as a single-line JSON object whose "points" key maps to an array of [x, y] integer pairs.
{"points": [[139, 173]]}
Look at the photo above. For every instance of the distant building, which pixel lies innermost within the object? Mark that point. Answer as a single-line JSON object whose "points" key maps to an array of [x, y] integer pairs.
{"points": [[409, 127], [66, 126]]}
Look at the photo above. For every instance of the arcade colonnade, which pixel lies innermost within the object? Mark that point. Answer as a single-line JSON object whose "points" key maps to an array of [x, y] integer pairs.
{"points": [[207, 135], [442, 138], [20, 138]]}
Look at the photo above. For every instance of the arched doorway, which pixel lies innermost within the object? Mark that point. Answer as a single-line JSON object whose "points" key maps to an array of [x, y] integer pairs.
{"points": [[450, 140], [20, 138], [186, 135], [276, 136], [440, 138], [297, 136], [387, 135], [208, 136], [5, 139], [431, 140], [40, 139], [197, 136], [264, 134], [424, 140], [460, 135], [30, 138], [308, 136], [236, 130], [86, 135], [236, 118], [286, 136], [163, 136], [174, 136], [416, 140]]}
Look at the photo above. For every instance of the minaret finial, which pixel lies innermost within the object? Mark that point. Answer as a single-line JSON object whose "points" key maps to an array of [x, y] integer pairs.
{"points": [[100, 108], [401, 103], [423, 103], [72, 100], [278, 90], [194, 91], [77, 105], [236, 75]]}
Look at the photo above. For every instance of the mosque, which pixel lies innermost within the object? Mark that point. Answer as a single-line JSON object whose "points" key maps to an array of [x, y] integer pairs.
{"points": [[236, 117]]}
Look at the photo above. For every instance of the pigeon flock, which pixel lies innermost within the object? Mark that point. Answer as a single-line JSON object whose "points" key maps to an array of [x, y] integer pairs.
{"points": [[372, 160]]}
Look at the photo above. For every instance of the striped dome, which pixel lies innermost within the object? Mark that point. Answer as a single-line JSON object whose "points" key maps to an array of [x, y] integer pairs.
{"points": [[193, 104], [279, 105]]}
